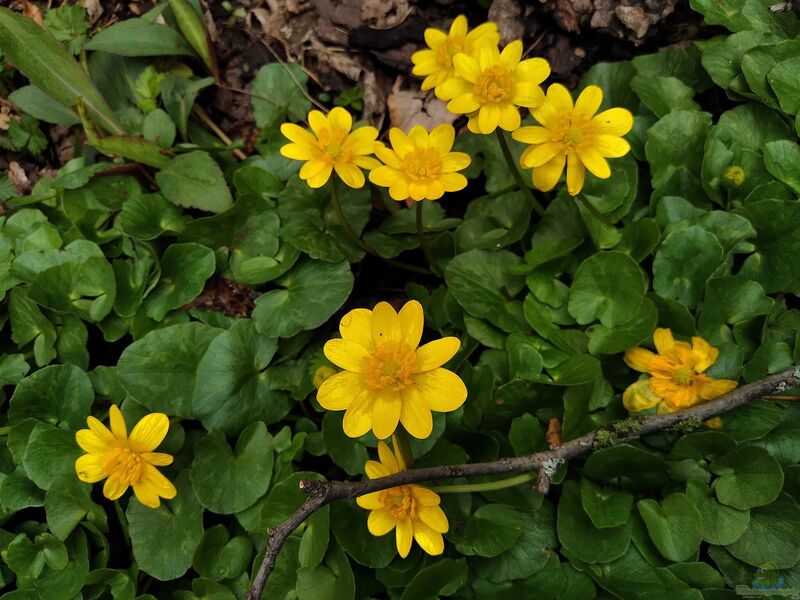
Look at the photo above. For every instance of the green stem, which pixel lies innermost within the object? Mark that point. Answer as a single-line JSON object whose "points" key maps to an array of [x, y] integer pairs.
{"points": [[401, 445], [361, 243], [123, 522], [5, 430], [487, 486], [423, 242], [512, 166], [595, 213]]}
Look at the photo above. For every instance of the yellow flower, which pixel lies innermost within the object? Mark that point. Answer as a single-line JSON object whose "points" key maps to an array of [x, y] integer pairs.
{"points": [[574, 135], [321, 374], [677, 378], [491, 86], [126, 460], [331, 146], [387, 377], [436, 63], [411, 510], [420, 165]]}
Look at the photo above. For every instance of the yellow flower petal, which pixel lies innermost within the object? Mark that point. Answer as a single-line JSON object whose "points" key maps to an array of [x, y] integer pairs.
{"points": [[533, 70], [640, 359], [356, 326], [614, 121], [90, 442], [297, 152], [358, 416], [384, 176], [339, 391], [424, 496], [416, 417], [576, 173], [442, 137], [639, 396], [380, 523], [466, 67], [429, 540], [455, 161], [532, 135], [714, 388], [436, 353], [404, 536], [400, 142], [321, 178], [385, 324], [453, 182], [152, 486], [542, 154], [458, 28], [91, 467], [442, 390], [157, 459], [361, 141], [317, 121], [594, 162], [350, 174], [100, 430], [663, 340], [546, 177], [386, 410], [412, 321], [611, 146], [298, 135], [433, 517], [704, 354], [509, 57], [149, 432], [399, 189], [371, 501], [434, 37], [387, 457], [376, 470], [313, 168], [340, 119], [485, 32], [114, 488], [528, 95], [489, 118], [588, 102], [346, 354], [509, 117]]}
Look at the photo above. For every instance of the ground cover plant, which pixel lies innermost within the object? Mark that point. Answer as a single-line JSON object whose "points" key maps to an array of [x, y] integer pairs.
{"points": [[536, 336]]}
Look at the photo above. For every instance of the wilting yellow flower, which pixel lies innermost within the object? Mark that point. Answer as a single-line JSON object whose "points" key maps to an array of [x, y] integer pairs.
{"points": [[387, 377], [420, 165], [411, 510], [491, 86], [574, 135], [677, 378], [329, 146], [126, 460], [436, 63]]}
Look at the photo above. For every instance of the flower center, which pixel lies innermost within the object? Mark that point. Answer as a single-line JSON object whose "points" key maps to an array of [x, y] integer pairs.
{"points": [[124, 465], [399, 502], [390, 367], [451, 47], [330, 143], [422, 163], [572, 136], [494, 85], [682, 375]]}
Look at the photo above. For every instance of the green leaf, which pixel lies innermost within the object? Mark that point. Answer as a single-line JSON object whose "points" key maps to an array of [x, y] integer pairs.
{"points": [[605, 340], [50, 452], [148, 216], [220, 557], [494, 222], [578, 369], [164, 539], [738, 15], [68, 24], [332, 580], [184, 271], [226, 481], [782, 159], [663, 95], [732, 300], [158, 371], [346, 452], [36, 103], [722, 525], [178, 95], [772, 536], [628, 466], [279, 91], [673, 276], [580, 537], [524, 360], [530, 553], [315, 539], [605, 507], [349, 526], [51, 68], [786, 83], [139, 37], [13, 367], [665, 156], [61, 395], [191, 26], [443, 578], [159, 128], [481, 281], [194, 180], [68, 502], [490, 531], [674, 525], [607, 286], [557, 234], [304, 303], [748, 477]]}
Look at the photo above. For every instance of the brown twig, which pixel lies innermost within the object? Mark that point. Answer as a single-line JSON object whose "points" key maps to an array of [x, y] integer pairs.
{"points": [[545, 463]]}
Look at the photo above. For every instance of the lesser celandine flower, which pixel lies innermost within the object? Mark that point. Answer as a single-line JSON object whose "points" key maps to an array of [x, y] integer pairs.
{"points": [[573, 135], [420, 165], [491, 86], [388, 377], [331, 146], [411, 510], [677, 375], [436, 63], [126, 460]]}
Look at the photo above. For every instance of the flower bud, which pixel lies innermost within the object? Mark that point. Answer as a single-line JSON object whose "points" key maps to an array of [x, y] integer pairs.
{"points": [[733, 177]]}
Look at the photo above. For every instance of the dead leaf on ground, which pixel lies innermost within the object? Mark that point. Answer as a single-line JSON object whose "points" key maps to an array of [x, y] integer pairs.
{"points": [[507, 14], [408, 108], [17, 176], [384, 14]]}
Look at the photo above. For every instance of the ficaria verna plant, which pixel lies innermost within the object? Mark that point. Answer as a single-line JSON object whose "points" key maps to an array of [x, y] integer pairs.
{"points": [[537, 338]]}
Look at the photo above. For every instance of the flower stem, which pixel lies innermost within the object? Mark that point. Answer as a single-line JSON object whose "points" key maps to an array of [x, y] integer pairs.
{"points": [[595, 213], [487, 486], [423, 242], [123, 522], [354, 237], [512, 166]]}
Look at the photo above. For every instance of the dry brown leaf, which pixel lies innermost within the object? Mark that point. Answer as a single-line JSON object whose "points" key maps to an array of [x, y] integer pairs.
{"points": [[385, 14], [93, 9], [32, 11], [5, 116], [553, 434], [17, 176], [507, 14], [408, 108]]}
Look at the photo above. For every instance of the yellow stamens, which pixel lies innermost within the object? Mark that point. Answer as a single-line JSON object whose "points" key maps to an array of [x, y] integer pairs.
{"points": [[389, 367], [124, 465], [423, 163], [683, 375], [494, 85], [399, 502]]}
